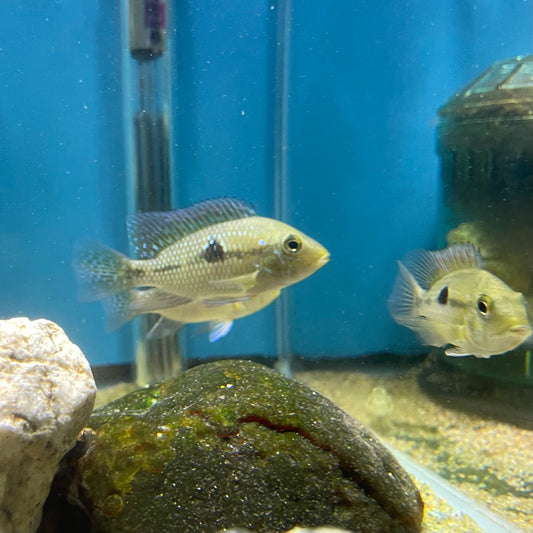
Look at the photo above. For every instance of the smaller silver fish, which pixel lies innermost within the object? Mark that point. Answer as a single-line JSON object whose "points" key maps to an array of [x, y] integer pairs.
{"points": [[449, 299], [127, 305]]}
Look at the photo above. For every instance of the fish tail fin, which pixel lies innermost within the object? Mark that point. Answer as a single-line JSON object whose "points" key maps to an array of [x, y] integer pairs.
{"points": [[405, 296], [119, 309], [101, 271]]}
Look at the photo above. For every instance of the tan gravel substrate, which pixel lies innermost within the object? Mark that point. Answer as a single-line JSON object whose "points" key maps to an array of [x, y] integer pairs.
{"points": [[489, 460]]}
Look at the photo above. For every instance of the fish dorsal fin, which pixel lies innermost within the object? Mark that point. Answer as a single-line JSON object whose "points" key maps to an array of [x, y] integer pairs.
{"points": [[150, 232], [428, 267]]}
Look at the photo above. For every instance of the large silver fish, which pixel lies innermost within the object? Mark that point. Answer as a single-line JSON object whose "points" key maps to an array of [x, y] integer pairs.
{"points": [[449, 299], [217, 251], [129, 304]]}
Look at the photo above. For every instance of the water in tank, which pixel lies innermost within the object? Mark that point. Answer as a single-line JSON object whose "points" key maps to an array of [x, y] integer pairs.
{"points": [[341, 191]]}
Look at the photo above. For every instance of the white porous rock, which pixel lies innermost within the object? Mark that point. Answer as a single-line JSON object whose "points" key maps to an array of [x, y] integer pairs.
{"points": [[47, 394]]}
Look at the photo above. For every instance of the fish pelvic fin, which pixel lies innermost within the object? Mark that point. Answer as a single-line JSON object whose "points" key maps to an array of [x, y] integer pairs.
{"points": [[405, 297], [101, 271], [219, 329], [164, 327]]}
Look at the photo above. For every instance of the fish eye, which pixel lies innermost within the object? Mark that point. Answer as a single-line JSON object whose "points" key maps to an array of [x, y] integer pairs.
{"points": [[443, 296], [483, 305], [292, 244]]}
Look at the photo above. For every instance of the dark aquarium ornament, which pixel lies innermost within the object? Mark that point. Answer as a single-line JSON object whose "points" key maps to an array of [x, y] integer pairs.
{"points": [[485, 142]]}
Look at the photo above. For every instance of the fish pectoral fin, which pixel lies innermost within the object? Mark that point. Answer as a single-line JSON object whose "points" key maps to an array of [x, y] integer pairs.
{"points": [[217, 302], [432, 332], [164, 327], [235, 286], [155, 299], [219, 329], [456, 351]]}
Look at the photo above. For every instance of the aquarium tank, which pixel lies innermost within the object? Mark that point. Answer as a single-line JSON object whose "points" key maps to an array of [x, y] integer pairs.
{"points": [[339, 191]]}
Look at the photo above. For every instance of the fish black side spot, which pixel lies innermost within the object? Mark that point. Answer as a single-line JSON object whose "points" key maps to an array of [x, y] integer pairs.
{"points": [[443, 296], [214, 252]]}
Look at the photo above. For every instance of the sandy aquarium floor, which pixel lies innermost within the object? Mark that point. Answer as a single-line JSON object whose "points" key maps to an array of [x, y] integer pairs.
{"points": [[476, 434]]}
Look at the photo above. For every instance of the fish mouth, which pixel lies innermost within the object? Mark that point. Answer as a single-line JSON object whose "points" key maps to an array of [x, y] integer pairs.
{"points": [[522, 330], [323, 260]]}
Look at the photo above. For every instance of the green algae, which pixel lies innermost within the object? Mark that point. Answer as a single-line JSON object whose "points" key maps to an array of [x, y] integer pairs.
{"points": [[109, 472]]}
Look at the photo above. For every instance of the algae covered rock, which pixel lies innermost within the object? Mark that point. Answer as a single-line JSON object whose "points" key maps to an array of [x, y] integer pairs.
{"points": [[236, 444]]}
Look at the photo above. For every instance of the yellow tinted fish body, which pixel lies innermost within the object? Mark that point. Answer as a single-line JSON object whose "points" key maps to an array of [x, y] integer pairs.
{"points": [[447, 298], [231, 259], [216, 251], [198, 311]]}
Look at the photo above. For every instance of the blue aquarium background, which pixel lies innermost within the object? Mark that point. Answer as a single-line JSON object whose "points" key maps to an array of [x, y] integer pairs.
{"points": [[363, 83]]}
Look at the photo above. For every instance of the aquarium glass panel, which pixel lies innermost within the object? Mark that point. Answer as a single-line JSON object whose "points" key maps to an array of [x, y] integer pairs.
{"points": [[342, 191]]}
